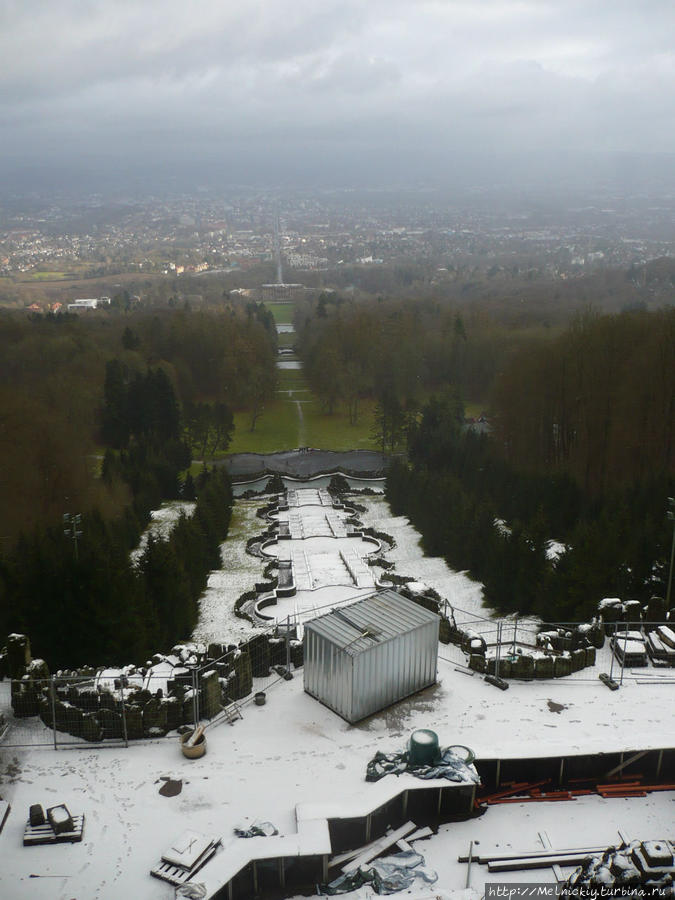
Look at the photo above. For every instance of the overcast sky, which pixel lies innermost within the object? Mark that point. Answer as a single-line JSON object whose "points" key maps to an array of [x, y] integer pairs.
{"points": [[408, 89]]}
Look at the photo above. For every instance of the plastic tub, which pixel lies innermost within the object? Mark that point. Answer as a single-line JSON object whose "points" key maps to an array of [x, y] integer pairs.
{"points": [[195, 752]]}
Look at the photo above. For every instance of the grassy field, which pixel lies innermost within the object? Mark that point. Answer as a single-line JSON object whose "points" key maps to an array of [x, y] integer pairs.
{"points": [[282, 312], [298, 421], [45, 276], [286, 338]]}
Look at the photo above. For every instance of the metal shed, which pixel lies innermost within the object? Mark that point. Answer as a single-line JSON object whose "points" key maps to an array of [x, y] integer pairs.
{"points": [[361, 658]]}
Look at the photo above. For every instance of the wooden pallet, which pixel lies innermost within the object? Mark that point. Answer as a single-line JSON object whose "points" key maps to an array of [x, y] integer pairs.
{"points": [[178, 875], [45, 834]]}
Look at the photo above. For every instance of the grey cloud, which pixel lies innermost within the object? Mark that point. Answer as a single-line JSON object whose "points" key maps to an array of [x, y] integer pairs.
{"points": [[163, 76]]}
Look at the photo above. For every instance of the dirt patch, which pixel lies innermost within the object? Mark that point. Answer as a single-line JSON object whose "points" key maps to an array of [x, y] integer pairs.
{"points": [[171, 787], [555, 707]]}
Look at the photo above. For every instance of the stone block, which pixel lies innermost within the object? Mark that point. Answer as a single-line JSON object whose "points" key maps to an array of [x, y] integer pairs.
{"points": [[562, 666], [477, 662], [18, 655], [210, 700], [174, 712], [543, 667], [154, 718], [259, 652], [134, 719], [91, 728], [578, 660], [111, 724]]}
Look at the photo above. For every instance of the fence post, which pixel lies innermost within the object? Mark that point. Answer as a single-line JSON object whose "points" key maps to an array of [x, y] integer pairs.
{"points": [[124, 711], [288, 643], [612, 645], [195, 697], [53, 693], [623, 660], [499, 647]]}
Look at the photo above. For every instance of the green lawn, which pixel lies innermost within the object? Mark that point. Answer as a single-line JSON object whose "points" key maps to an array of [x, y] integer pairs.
{"points": [[280, 427], [282, 312], [286, 338], [43, 276]]}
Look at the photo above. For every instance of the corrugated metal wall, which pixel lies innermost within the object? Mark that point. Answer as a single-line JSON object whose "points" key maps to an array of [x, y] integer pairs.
{"points": [[393, 670], [356, 683], [329, 675]]}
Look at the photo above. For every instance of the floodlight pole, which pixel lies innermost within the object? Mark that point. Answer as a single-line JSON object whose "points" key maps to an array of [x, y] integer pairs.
{"points": [[71, 525]]}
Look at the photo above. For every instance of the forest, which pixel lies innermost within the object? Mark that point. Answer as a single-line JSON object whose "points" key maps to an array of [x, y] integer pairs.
{"points": [[104, 417], [100, 417], [578, 446]]}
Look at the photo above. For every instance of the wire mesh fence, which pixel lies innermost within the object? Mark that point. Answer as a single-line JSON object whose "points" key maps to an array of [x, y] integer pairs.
{"points": [[213, 685], [525, 649], [177, 692]]}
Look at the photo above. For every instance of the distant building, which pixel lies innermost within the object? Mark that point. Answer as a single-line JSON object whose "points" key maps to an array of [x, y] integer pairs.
{"points": [[88, 303], [84, 303], [281, 291]]}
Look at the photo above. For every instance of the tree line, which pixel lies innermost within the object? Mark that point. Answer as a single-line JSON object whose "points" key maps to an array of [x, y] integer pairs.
{"points": [[582, 452], [397, 352], [64, 380], [86, 602], [100, 417]]}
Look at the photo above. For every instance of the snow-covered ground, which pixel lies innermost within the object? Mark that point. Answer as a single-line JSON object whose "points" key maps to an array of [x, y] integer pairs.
{"points": [[294, 750], [240, 572], [163, 521], [461, 591]]}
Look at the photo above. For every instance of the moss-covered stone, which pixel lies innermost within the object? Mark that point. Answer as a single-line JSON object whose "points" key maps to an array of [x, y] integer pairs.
{"points": [[523, 667], [91, 728], [18, 655], [210, 699], [477, 662], [543, 667], [297, 653], [259, 652], [154, 718], [134, 719], [578, 660], [111, 723], [562, 666]]}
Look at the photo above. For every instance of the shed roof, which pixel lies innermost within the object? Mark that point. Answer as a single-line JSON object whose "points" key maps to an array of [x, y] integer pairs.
{"points": [[371, 621]]}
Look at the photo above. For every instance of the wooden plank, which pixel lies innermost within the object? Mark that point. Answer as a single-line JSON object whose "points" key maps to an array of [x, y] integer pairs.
{"points": [[533, 862], [350, 854], [520, 787], [501, 856], [542, 799], [419, 834], [557, 873], [403, 845], [382, 845], [618, 795]]}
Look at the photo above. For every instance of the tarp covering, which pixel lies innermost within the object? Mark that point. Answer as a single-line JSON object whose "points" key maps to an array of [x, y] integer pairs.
{"points": [[388, 875], [263, 829], [450, 766]]}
